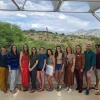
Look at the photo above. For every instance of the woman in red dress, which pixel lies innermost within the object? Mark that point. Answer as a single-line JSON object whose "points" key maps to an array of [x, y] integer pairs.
{"points": [[24, 66]]}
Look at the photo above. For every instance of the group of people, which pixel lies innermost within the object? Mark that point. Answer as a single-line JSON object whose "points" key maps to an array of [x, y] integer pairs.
{"points": [[34, 66]]}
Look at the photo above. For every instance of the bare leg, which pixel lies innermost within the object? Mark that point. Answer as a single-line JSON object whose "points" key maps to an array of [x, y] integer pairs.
{"points": [[50, 81], [56, 77], [42, 78], [38, 78]]}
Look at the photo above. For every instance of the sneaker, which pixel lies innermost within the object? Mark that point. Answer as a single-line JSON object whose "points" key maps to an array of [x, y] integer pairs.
{"points": [[77, 88], [80, 91], [87, 92], [70, 90], [59, 89], [67, 88]]}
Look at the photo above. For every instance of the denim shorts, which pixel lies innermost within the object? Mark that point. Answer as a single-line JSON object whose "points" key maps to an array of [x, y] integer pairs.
{"points": [[58, 67]]}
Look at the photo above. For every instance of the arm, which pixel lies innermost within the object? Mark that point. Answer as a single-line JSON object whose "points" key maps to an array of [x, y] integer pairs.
{"points": [[9, 62], [53, 63], [93, 62], [34, 65], [20, 59], [73, 66], [83, 61]]}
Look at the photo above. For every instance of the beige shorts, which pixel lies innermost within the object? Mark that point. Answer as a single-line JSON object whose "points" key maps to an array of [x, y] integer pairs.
{"points": [[97, 72]]}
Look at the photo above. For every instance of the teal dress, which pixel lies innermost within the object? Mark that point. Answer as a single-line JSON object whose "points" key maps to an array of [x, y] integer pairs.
{"points": [[90, 60]]}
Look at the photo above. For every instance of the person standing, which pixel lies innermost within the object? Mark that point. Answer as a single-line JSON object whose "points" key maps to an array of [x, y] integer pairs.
{"points": [[24, 66], [3, 68], [69, 69], [34, 58], [79, 66], [40, 69], [97, 70], [90, 62], [50, 68], [13, 64], [59, 67]]}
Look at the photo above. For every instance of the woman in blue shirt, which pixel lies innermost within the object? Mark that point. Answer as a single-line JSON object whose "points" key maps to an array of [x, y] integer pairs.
{"points": [[40, 69], [13, 64]]}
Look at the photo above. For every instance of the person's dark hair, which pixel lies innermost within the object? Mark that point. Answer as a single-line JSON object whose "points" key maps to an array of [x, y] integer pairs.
{"points": [[4, 47], [32, 51], [80, 48], [56, 52], [67, 48], [50, 51], [26, 53], [42, 48], [97, 45], [12, 52]]}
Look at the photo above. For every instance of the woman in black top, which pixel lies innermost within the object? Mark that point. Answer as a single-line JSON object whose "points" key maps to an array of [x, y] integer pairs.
{"points": [[33, 68]]}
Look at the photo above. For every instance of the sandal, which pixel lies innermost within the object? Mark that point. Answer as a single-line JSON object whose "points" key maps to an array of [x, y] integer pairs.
{"points": [[40, 90], [94, 87], [13, 91], [32, 91], [98, 93], [49, 89], [24, 90]]}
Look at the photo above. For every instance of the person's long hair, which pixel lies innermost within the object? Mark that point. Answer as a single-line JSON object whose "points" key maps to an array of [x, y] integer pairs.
{"points": [[48, 54], [67, 48], [26, 53], [32, 51], [12, 52]]}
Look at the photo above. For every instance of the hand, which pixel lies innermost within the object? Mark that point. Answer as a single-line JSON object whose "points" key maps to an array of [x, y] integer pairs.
{"points": [[53, 71], [90, 70], [62, 70], [81, 70], [30, 69], [72, 70], [21, 69], [10, 70], [43, 70]]}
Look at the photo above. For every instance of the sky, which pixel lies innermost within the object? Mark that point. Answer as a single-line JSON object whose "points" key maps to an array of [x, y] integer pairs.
{"points": [[55, 21]]}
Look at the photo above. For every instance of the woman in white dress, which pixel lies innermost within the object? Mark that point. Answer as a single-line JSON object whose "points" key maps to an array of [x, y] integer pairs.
{"points": [[50, 68]]}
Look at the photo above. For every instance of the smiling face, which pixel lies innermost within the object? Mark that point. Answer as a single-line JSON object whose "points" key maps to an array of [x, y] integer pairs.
{"points": [[33, 50], [41, 50], [3, 50], [58, 49], [88, 47], [49, 52], [25, 47], [78, 49], [69, 50], [14, 48]]}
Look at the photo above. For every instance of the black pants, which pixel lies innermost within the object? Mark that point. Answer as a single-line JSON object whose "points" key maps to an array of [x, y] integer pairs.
{"points": [[79, 79], [33, 75]]}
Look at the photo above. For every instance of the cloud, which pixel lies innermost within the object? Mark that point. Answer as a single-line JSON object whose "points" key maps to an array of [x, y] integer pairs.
{"points": [[21, 15], [55, 21]]}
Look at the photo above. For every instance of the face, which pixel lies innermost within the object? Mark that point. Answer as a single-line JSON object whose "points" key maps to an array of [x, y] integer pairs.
{"points": [[88, 47], [41, 50], [97, 49], [49, 52], [33, 50], [69, 50], [14, 48], [58, 49], [78, 49], [3, 50], [25, 47]]}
